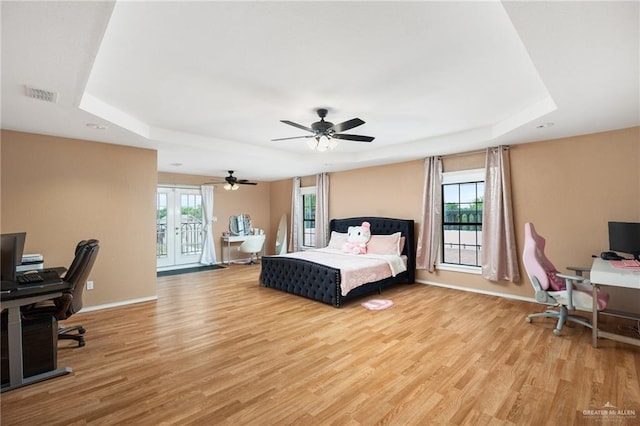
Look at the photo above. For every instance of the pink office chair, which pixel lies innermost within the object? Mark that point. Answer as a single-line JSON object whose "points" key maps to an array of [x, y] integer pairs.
{"points": [[568, 292]]}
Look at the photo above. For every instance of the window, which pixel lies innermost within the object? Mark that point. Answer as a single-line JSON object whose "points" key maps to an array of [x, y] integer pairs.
{"points": [[308, 203], [462, 198]]}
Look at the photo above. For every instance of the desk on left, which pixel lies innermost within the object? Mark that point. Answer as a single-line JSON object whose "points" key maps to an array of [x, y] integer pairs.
{"points": [[13, 296]]}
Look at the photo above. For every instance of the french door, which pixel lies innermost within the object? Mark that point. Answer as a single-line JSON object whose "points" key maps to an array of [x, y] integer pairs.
{"points": [[179, 230]]}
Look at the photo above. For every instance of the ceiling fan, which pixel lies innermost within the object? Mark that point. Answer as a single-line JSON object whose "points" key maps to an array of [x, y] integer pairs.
{"points": [[324, 133], [232, 183]]}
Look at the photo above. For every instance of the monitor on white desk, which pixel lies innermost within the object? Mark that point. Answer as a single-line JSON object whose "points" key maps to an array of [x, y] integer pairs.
{"points": [[624, 237]]}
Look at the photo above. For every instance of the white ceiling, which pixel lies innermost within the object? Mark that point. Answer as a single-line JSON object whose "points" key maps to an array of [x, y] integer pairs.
{"points": [[206, 83]]}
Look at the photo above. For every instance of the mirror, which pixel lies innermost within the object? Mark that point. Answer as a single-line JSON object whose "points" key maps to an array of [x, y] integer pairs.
{"points": [[281, 236], [240, 224]]}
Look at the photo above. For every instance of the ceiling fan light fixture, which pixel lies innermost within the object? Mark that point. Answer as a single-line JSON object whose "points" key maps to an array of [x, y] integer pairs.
{"points": [[325, 133], [230, 187], [322, 143], [332, 143]]}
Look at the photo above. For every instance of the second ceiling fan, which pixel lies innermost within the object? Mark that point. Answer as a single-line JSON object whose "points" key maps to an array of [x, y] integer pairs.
{"points": [[232, 183], [324, 133]]}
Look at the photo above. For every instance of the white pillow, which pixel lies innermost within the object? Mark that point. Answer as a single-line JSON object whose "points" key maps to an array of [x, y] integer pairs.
{"points": [[384, 244], [337, 240]]}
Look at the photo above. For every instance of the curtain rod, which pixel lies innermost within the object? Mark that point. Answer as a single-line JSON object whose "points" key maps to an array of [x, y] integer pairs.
{"points": [[477, 151]]}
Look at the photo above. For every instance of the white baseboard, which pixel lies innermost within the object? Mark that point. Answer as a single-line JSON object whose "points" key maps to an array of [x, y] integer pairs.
{"points": [[118, 304], [475, 290]]}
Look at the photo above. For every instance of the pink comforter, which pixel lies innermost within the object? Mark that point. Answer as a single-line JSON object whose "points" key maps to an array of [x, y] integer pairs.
{"points": [[355, 269]]}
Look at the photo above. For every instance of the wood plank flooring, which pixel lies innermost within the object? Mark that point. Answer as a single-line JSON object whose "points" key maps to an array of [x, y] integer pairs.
{"points": [[218, 349]]}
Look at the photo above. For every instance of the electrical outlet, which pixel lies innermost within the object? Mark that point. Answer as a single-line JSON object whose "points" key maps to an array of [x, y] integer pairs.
{"points": [[89, 285]]}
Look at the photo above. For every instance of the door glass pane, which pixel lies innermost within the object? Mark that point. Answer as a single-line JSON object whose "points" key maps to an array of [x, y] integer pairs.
{"points": [[190, 224], [161, 225]]}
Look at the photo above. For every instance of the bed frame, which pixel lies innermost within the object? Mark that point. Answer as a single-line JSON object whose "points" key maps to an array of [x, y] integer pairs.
{"points": [[322, 283]]}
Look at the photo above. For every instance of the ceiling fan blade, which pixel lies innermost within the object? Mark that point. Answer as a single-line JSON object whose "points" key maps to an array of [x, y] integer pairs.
{"points": [[245, 182], [356, 138], [349, 124], [299, 126], [294, 137]]}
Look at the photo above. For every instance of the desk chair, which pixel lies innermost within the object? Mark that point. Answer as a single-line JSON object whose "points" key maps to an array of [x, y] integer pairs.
{"points": [[71, 302], [567, 292], [252, 245]]}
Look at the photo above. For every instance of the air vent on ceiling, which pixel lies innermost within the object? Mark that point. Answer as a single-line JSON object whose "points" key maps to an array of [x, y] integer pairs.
{"points": [[41, 94]]}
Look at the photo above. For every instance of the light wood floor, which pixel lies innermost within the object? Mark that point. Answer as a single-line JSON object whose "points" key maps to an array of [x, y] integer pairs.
{"points": [[216, 348]]}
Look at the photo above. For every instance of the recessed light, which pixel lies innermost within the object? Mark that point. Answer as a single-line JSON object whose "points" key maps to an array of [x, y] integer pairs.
{"points": [[545, 125], [95, 126]]}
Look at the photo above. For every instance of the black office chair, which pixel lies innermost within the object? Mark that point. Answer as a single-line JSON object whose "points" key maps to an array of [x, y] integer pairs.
{"points": [[71, 301]]}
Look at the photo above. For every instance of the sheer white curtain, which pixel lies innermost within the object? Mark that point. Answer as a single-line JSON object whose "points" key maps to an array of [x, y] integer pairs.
{"points": [[430, 231], [296, 216], [208, 246], [322, 209], [499, 257]]}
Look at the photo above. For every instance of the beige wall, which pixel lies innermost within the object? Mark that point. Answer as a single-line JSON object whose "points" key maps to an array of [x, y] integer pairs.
{"points": [[61, 191], [568, 187], [253, 200], [387, 191]]}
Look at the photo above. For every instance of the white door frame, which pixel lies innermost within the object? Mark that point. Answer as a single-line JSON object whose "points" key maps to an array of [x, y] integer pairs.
{"points": [[179, 234]]}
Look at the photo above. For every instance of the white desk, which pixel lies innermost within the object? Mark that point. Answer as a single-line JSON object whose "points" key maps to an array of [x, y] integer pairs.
{"points": [[602, 273], [227, 240]]}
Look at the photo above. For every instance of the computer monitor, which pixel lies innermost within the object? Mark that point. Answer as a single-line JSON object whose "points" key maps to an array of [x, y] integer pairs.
{"points": [[624, 237], [11, 250]]}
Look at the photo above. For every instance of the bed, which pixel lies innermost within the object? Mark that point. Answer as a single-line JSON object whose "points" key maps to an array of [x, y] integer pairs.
{"points": [[322, 283]]}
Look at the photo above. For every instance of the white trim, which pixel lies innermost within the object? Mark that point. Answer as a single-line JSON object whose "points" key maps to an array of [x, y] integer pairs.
{"points": [[459, 177], [117, 304], [463, 176], [305, 190], [467, 269], [475, 290]]}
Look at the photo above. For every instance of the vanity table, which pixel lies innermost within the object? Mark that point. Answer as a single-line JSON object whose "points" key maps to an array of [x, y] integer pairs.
{"points": [[227, 240]]}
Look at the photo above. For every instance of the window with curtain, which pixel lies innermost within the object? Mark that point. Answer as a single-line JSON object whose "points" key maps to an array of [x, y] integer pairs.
{"points": [[462, 202], [307, 203]]}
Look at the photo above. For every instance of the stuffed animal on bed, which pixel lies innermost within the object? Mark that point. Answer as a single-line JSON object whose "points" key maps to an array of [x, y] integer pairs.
{"points": [[357, 238]]}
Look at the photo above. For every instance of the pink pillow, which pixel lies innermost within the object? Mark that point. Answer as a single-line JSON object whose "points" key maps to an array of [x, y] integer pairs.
{"points": [[384, 244], [337, 240]]}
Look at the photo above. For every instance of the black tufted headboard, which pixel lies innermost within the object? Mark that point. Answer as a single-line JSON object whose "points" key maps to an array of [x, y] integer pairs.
{"points": [[385, 226]]}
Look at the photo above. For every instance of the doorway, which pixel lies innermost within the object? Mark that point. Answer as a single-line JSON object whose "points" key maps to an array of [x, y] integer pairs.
{"points": [[179, 230]]}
